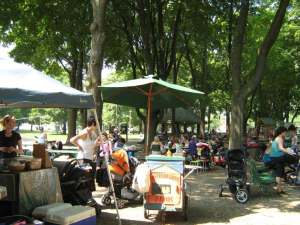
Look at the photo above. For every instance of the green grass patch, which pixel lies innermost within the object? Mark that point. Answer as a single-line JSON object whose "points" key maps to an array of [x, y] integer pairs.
{"points": [[51, 136]]}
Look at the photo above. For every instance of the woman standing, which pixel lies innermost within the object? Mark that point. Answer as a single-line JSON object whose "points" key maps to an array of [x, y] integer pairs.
{"points": [[278, 156], [10, 140], [86, 141]]}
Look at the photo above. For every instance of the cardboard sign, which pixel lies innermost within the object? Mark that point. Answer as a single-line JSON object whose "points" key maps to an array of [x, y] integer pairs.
{"points": [[166, 187]]}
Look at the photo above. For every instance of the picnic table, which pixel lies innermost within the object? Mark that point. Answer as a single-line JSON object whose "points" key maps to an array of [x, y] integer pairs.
{"points": [[71, 152], [28, 149]]}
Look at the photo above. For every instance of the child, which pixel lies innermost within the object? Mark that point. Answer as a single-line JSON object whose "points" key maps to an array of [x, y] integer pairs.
{"points": [[294, 139]]}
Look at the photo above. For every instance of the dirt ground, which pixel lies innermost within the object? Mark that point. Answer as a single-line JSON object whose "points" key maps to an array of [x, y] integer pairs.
{"points": [[206, 208]]}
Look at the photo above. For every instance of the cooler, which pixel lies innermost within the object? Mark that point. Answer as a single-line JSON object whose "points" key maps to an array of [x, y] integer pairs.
{"points": [[42, 211], [75, 215]]}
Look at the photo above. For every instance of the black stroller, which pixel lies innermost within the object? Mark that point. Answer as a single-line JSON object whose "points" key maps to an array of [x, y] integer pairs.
{"points": [[77, 181], [122, 186], [237, 177]]}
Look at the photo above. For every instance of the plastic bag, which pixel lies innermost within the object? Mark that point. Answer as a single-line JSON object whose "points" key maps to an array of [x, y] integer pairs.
{"points": [[141, 179]]}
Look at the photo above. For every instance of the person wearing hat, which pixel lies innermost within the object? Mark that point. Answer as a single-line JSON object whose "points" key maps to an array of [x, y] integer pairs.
{"points": [[10, 140]]}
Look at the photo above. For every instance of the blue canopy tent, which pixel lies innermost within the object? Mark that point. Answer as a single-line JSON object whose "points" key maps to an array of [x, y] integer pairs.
{"points": [[21, 86]]}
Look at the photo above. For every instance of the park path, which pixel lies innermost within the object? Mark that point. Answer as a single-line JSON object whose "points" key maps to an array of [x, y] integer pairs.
{"points": [[206, 208]]}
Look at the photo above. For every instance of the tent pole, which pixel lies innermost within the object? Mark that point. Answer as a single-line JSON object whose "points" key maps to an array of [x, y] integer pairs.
{"points": [[149, 111], [108, 171]]}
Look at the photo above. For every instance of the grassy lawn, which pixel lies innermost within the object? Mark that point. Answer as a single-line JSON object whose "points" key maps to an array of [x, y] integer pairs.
{"points": [[63, 137], [51, 136]]}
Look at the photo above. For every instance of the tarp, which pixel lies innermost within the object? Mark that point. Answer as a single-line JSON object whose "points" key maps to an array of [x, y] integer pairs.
{"points": [[21, 86]]}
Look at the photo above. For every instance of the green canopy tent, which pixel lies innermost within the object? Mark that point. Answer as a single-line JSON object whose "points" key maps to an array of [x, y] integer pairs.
{"points": [[149, 93]]}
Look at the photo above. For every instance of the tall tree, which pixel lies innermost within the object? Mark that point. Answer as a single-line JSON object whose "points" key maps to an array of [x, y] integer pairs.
{"points": [[97, 29], [240, 90]]}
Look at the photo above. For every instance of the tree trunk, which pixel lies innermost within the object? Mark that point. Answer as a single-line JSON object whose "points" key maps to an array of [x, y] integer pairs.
{"points": [[97, 52], [236, 126], [185, 128], [198, 129], [228, 66], [64, 128], [72, 113], [202, 122], [227, 121], [208, 119], [173, 120], [72, 117], [287, 116], [83, 114], [295, 115]]}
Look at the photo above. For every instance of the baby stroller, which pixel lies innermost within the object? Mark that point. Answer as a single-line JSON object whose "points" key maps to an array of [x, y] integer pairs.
{"points": [[122, 169], [77, 181], [237, 177], [292, 174], [204, 154], [218, 156]]}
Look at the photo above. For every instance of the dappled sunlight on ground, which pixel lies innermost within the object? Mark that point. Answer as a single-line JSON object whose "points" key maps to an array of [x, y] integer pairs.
{"points": [[208, 209]]}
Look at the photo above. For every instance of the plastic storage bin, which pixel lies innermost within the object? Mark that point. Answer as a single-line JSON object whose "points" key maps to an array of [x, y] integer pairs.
{"points": [[75, 215]]}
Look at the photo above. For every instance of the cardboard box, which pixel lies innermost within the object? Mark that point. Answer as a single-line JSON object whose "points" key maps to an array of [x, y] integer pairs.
{"points": [[39, 151]]}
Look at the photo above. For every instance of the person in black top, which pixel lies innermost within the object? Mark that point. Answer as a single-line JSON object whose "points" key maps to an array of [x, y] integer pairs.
{"points": [[10, 140], [156, 146]]}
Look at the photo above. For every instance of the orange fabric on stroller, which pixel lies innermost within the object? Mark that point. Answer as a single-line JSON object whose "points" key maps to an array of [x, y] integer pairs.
{"points": [[120, 164]]}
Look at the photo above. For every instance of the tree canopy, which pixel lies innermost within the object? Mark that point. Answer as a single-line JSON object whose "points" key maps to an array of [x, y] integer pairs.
{"points": [[193, 43]]}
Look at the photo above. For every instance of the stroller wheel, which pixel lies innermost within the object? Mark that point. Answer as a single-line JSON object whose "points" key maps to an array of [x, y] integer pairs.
{"points": [[221, 191], [106, 200], [146, 215], [241, 196], [98, 210]]}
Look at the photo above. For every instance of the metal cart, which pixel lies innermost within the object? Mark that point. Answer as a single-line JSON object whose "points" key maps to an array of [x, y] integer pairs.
{"points": [[167, 189]]}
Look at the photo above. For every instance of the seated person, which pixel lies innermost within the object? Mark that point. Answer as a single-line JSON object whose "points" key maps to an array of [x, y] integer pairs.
{"points": [[294, 139], [193, 147], [42, 138]]}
